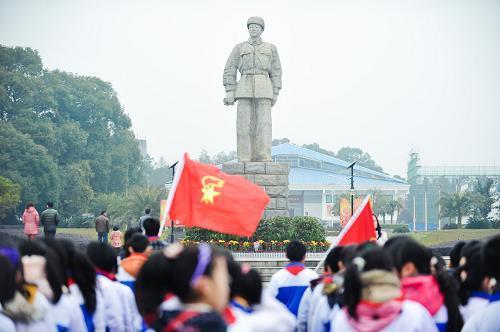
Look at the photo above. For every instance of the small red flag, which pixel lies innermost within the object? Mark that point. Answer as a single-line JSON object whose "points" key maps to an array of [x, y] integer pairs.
{"points": [[360, 227], [203, 196]]}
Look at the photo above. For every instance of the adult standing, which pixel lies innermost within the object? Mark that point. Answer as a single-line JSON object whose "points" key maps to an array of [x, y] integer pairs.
{"points": [[102, 227], [31, 221], [49, 220], [147, 215]]}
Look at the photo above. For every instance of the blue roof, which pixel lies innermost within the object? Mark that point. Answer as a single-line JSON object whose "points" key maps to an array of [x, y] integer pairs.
{"points": [[300, 175]]}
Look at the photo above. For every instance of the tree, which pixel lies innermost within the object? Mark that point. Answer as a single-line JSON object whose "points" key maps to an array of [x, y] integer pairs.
{"points": [[219, 158], [278, 141], [355, 154], [317, 148], [483, 200], [10, 196], [456, 205]]}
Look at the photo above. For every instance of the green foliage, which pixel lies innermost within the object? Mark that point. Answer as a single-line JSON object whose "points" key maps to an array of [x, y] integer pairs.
{"points": [[63, 137], [400, 229], [478, 224], [217, 159], [273, 229], [456, 205], [10, 194], [450, 226]]}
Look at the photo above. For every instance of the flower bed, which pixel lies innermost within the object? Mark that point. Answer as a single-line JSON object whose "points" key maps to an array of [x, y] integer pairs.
{"points": [[263, 246]]}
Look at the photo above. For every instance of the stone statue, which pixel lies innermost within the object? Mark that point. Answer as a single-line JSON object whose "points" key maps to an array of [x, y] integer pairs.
{"points": [[256, 91]]}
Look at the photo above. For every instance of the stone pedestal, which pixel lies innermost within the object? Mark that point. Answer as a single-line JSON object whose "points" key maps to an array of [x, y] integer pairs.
{"points": [[273, 177]]}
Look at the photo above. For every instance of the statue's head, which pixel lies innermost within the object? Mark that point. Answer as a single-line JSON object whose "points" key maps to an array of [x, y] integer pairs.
{"points": [[255, 26]]}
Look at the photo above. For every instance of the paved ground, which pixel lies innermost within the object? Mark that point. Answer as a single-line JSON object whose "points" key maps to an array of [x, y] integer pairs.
{"points": [[80, 241]]}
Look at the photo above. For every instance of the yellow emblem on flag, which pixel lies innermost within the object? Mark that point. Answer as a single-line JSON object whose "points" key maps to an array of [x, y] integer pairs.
{"points": [[209, 184]]}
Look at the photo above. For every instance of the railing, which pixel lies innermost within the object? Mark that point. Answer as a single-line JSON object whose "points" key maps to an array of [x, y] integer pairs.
{"points": [[273, 255]]}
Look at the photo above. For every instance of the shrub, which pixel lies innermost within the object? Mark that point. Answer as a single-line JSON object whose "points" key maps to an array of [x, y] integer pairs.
{"points": [[401, 229], [478, 224], [300, 228], [450, 226]]}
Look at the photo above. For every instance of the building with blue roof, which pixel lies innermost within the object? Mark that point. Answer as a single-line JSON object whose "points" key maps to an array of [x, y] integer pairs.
{"points": [[316, 181]]}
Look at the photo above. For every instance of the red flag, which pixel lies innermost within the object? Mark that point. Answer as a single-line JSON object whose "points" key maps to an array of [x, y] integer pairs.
{"points": [[360, 227], [203, 196]]}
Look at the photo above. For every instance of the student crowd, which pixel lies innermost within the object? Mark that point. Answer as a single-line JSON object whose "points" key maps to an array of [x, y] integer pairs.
{"points": [[49, 285]]}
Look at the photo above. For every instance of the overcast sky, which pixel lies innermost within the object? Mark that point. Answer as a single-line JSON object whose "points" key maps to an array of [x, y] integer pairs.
{"points": [[385, 76]]}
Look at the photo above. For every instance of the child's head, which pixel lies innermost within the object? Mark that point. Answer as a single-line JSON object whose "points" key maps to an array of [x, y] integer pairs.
{"points": [[296, 251], [410, 257], [201, 275], [116, 228], [371, 267], [471, 273], [491, 254], [138, 244], [103, 256], [151, 226]]}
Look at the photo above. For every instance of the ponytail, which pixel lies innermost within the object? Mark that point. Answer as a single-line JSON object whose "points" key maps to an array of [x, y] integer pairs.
{"points": [[449, 289], [153, 283], [84, 275], [352, 289]]}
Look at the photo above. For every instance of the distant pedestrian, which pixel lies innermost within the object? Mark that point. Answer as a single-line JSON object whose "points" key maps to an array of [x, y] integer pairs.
{"points": [[31, 221], [102, 227], [147, 214], [49, 219], [116, 239]]}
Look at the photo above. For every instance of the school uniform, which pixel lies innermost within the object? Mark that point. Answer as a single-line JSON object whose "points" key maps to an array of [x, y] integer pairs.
{"points": [[488, 319], [289, 284], [68, 315], [412, 318], [476, 303], [95, 321], [113, 307], [268, 316]]}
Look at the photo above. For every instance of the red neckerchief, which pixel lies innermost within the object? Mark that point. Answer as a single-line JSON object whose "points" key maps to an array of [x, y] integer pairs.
{"points": [[228, 316], [109, 275]]}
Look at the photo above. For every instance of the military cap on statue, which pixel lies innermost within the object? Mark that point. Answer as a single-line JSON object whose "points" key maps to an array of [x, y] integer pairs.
{"points": [[256, 20]]}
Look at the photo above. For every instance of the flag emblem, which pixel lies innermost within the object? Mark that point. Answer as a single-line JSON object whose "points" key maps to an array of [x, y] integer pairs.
{"points": [[209, 184]]}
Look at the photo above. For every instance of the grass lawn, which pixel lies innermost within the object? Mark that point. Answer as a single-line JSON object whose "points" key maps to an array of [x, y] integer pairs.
{"points": [[86, 232], [436, 237]]}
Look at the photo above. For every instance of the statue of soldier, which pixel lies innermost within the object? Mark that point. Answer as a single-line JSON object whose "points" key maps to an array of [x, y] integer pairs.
{"points": [[256, 91]]}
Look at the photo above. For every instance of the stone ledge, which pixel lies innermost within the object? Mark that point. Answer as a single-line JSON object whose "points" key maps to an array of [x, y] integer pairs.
{"points": [[271, 180], [277, 191], [234, 168], [255, 167], [277, 168]]}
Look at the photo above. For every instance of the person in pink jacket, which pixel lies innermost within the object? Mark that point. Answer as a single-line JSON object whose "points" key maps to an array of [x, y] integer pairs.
{"points": [[31, 221]]}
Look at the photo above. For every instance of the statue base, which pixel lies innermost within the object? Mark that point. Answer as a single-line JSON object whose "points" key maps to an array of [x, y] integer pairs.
{"points": [[272, 176]]}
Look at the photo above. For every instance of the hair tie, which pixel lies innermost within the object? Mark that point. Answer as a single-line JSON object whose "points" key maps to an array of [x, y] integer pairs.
{"points": [[360, 263], [11, 254], [245, 268], [204, 257]]}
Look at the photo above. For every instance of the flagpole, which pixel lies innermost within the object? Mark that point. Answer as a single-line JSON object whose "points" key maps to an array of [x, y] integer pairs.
{"points": [[171, 221]]}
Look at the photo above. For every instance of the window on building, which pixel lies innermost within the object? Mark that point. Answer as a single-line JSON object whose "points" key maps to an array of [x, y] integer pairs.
{"points": [[329, 198]]}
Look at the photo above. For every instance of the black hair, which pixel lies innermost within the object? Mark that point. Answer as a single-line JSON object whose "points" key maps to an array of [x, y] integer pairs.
{"points": [[115, 228], [184, 265], [234, 271], [58, 248], [249, 286], [407, 250], [152, 283], [50, 204], [103, 212], [139, 243], [30, 204], [378, 229], [103, 256], [151, 226], [347, 254], [455, 254], [491, 256], [473, 268], [127, 236], [295, 251], [147, 211], [333, 258], [7, 280], [375, 259], [82, 271], [53, 267]]}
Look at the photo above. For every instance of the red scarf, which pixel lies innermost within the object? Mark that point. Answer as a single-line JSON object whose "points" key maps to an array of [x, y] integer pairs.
{"points": [[109, 275], [375, 316], [424, 290]]}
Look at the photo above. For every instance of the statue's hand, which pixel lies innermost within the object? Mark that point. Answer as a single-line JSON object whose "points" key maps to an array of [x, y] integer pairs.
{"points": [[275, 99], [229, 100]]}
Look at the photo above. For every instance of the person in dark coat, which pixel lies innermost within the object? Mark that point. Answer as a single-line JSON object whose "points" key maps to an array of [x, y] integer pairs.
{"points": [[49, 219]]}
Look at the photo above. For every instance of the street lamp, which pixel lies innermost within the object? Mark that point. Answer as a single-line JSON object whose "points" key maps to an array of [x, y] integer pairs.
{"points": [[171, 221], [351, 191]]}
